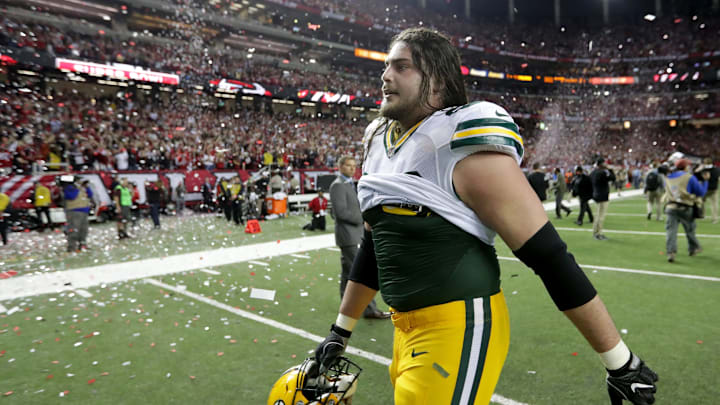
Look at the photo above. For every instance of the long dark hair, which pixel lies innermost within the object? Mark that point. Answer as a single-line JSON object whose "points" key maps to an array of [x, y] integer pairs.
{"points": [[437, 59]]}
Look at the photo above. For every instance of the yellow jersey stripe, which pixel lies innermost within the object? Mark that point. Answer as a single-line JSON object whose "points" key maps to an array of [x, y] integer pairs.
{"points": [[488, 130]]}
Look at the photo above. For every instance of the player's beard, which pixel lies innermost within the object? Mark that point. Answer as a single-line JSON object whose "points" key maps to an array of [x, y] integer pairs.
{"points": [[400, 109]]}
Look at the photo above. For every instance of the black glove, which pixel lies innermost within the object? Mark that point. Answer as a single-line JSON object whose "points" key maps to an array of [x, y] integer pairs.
{"points": [[329, 350], [634, 382]]}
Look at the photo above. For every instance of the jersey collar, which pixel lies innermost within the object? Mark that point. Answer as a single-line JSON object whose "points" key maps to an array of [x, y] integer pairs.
{"points": [[390, 148]]}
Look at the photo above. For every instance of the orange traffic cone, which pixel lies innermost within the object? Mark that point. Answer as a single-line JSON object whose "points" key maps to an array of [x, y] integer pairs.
{"points": [[253, 226]]}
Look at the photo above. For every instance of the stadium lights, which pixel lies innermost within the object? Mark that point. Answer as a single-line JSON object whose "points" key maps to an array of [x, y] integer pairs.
{"points": [[626, 124], [649, 17]]}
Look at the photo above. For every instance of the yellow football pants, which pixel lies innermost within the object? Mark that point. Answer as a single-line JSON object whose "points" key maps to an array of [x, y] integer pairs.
{"points": [[450, 353]]}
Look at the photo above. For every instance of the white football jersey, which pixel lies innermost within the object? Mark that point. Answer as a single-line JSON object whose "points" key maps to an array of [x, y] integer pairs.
{"points": [[417, 168]]}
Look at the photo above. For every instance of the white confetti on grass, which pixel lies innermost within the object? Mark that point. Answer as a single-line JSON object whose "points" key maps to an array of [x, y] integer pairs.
{"points": [[262, 294], [83, 293]]}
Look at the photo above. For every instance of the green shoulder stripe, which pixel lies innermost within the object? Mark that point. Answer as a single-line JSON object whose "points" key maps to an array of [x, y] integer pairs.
{"points": [[487, 122], [488, 140]]}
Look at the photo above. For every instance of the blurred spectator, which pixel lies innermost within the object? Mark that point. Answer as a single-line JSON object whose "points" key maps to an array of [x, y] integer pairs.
{"points": [[155, 192], [654, 190], [318, 207], [601, 178], [559, 189], [5, 208], [711, 197], [41, 200], [180, 197], [77, 208], [583, 188], [538, 182]]}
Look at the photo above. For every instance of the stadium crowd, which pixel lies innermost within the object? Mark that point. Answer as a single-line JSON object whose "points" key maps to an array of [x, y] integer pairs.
{"points": [[76, 131], [192, 64], [114, 133], [664, 36], [176, 132]]}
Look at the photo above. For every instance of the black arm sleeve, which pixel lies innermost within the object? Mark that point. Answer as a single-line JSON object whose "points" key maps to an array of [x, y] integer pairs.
{"points": [[564, 280], [364, 268]]}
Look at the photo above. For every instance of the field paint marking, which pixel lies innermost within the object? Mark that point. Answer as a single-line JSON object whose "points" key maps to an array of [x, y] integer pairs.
{"points": [[258, 263], [382, 360], [2, 309], [334, 249], [700, 235], [300, 256], [275, 324], [59, 281], [55, 282], [213, 272], [575, 202], [623, 270]]}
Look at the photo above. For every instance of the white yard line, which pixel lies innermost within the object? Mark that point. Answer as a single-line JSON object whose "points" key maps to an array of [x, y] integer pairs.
{"points": [[575, 202], [699, 235], [634, 271], [275, 324], [382, 360], [55, 282], [47, 283]]}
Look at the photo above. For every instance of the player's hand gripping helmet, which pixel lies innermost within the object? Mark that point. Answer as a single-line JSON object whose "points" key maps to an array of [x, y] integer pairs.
{"points": [[303, 385]]}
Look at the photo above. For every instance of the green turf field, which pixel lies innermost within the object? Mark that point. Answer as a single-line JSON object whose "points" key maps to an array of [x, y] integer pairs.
{"points": [[136, 342]]}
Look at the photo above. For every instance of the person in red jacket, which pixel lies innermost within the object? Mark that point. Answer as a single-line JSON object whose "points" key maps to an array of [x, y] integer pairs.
{"points": [[318, 206]]}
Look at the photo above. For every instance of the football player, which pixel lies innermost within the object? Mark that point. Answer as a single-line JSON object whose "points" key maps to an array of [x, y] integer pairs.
{"points": [[440, 178]]}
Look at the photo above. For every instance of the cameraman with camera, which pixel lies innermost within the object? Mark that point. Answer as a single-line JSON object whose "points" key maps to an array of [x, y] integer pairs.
{"points": [[683, 192], [77, 209]]}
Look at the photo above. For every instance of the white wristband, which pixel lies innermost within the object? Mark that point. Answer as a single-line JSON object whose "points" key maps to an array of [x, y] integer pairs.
{"points": [[345, 322], [615, 357]]}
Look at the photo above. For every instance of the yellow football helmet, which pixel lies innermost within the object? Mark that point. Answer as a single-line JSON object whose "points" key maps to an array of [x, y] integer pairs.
{"points": [[303, 385]]}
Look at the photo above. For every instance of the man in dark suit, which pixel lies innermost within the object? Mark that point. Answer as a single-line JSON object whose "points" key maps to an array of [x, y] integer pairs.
{"points": [[601, 179], [538, 182], [349, 225], [583, 189]]}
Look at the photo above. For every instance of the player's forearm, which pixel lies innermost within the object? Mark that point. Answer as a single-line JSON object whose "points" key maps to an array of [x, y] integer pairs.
{"points": [[356, 299], [594, 322]]}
